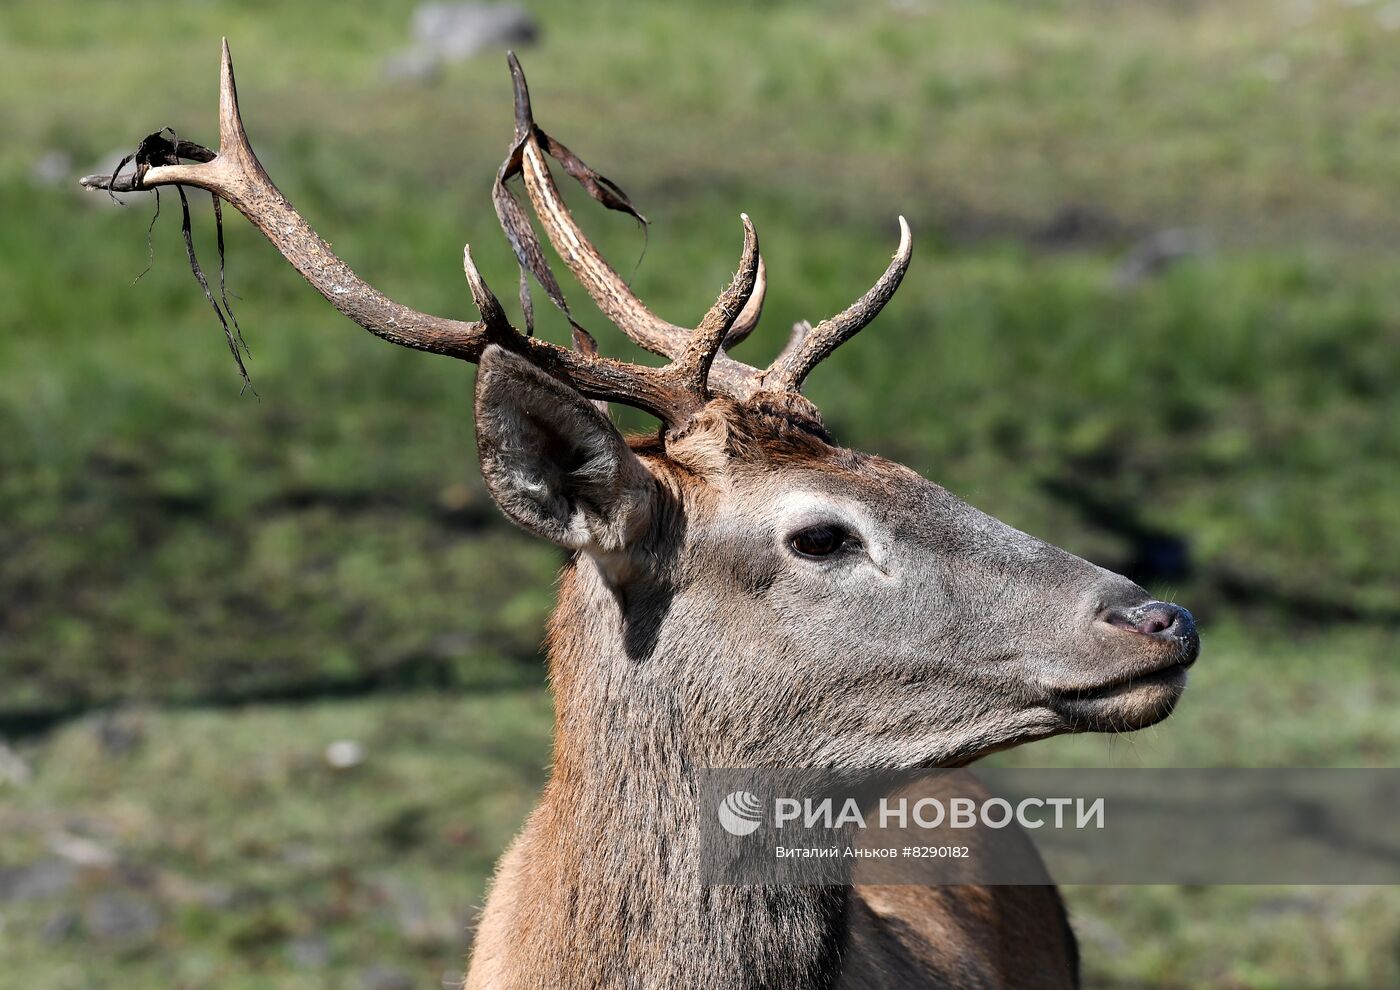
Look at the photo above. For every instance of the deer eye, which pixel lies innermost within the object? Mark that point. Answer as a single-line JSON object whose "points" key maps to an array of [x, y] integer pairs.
{"points": [[818, 541]]}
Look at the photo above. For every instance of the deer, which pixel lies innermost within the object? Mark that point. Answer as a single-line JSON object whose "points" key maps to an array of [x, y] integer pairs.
{"points": [[740, 591]]}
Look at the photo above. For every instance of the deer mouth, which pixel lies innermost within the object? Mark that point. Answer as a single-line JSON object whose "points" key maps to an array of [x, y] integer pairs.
{"points": [[1126, 703], [1174, 672]]}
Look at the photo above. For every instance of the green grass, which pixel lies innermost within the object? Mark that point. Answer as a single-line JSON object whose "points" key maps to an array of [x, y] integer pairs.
{"points": [[167, 542], [262, 863]]}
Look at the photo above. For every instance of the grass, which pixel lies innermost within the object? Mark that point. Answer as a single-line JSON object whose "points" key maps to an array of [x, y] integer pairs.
{"points": [[1228, 428], [239, 856]]}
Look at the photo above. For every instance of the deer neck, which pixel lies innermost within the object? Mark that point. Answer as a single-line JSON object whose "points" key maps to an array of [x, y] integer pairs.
{"points": [[604, 886]]}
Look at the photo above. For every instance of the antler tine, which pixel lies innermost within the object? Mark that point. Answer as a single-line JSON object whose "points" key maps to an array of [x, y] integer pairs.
{"points": [[796, 336], [809, 346], [602, 283], [233, 139], [235, 174], [753, 309], [492, 313], [599, 279], [692, 368]]}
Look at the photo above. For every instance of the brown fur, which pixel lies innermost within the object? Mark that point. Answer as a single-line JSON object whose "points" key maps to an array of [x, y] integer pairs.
{"points": [[689, 634]]}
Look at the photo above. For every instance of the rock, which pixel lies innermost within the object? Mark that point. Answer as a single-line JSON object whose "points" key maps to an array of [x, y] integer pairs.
{"points": [[445, 33], [120, 731], [1155, 254], [36, 881], [345, 754], [13, 770], [120, 916], [81, 851], [52, 168], [309, 952], [457, 31]]}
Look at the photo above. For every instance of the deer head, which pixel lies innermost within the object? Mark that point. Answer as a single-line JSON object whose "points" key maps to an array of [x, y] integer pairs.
{"points": [[749, 589]]}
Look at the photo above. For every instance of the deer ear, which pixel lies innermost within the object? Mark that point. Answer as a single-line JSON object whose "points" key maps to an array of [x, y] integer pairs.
{"points": [[554, 462]]}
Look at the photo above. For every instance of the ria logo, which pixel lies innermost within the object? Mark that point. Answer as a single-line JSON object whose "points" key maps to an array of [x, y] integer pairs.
{"points": [[740, 812]]}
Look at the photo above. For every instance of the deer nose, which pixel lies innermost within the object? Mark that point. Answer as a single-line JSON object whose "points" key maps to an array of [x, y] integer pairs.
{"points": [[1160, 620]]}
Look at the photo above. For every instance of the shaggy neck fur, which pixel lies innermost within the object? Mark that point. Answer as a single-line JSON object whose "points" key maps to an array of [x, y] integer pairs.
{"points": [[606, 871]]}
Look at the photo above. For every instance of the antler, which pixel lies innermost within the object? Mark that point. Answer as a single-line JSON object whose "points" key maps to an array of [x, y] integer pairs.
{"points": [[234, 174], [808, 347], [621, 306], [698, 368], [603, 284]]}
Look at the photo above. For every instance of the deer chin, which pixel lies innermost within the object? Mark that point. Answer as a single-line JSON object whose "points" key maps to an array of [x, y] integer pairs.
{"points": [[1126, 704]]}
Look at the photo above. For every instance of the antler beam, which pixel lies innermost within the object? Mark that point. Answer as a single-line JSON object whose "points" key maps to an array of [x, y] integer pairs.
{"points": [[235, 175], [599, 279], [699, 369]]}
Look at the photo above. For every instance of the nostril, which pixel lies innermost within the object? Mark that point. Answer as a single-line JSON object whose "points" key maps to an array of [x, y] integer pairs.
{"points": [[1153, 619], [1156, 622]]}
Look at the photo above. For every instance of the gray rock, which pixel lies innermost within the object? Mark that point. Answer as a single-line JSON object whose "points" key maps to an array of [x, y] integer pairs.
{"points": [[457, 31], [444, 33], [346, 754], [1153, 255], [81, 851], [121, 730], [309, 952], [120, 916], [36, 881], [14, 771], [52, 168]]}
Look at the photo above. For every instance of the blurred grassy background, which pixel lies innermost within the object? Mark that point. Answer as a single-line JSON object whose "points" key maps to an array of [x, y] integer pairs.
{"points": [[1153, 318]]}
